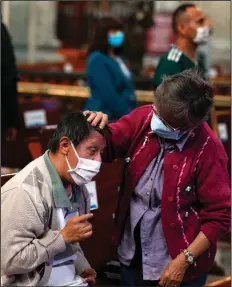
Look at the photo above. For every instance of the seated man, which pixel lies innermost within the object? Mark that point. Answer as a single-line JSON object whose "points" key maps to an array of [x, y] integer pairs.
{"points": [[44, 206]]}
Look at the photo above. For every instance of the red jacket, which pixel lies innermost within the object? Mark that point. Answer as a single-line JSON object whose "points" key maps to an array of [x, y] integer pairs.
{"points": [[195, 180]]}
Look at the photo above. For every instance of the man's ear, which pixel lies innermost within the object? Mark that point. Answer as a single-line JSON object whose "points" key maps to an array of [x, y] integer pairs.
{"points": [[181, 28], [64, 145]]}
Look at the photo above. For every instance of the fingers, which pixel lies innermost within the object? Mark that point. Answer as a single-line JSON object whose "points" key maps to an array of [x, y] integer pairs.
{"points": [[91, 280], [88, 272], [104, 121], [91, 117], [168, 282], [162, 281], [86, 113], [86, 235], [87, 228], [83, 218], [96, 118]]}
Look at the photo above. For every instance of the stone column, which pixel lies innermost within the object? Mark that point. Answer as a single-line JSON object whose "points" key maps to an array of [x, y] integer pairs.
{"points": [[5, 5], [32, 29], [166, 6], [46, 21], [32, 26]]}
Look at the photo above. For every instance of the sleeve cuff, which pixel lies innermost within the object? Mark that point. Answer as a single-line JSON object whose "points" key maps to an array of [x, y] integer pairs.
{"points": [[210, 234], [54, 243]]}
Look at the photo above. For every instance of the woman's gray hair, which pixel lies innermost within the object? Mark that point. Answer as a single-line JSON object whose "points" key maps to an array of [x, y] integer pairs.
{"points": [[187, 96]]}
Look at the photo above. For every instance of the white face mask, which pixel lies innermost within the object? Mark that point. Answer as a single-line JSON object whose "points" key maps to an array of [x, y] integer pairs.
{"points": [[85, 170], [202, 36]]}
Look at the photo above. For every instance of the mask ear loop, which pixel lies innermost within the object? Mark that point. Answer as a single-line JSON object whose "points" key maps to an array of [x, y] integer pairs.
{"points": [[75, 151], [75, 154], [67, 162]]}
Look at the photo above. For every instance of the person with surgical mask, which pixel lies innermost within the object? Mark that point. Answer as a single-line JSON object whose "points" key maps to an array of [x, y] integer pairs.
{"points": [[192, 29], [45, 210], [109, 78], [174, 198]]}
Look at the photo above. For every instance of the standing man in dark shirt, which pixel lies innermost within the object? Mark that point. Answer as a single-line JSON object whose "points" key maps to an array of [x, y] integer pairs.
{"points": [[191, 28], [9, 77]]}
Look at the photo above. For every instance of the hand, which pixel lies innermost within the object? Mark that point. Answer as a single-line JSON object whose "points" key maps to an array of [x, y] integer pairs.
{"points": [[96, 117], [89, 276], [77, 229], [173, 274], [11, 134]]}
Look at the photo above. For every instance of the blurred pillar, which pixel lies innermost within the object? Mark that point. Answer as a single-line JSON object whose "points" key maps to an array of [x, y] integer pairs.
{"points": [[136, 27], [166, 6], [46, 21], [32, 26], [6, 12]]}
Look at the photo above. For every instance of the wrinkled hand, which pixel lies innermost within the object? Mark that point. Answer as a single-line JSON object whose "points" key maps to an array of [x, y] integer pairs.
{"points": [[89, 276], [173, 274], [77, 229], [96, 118], [11, 134]]}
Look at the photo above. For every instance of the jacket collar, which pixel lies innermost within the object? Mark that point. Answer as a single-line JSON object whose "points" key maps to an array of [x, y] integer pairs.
{"points": [[60, 196]]}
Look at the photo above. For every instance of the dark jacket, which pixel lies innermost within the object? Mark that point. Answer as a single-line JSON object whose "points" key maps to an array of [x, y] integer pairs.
{"points": [[202, 165], [111, 91], [9, 78]]}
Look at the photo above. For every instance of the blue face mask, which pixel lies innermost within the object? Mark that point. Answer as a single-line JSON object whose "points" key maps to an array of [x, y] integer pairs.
{"points": [[116, 40], [158, 127]]}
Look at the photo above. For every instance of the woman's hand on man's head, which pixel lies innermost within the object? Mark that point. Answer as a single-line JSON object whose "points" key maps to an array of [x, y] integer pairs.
{"points": [[96, 118]]}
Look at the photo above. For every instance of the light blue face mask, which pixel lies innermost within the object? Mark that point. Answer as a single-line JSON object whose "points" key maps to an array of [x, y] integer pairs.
{"points": [[158, 127], [116, 40]]}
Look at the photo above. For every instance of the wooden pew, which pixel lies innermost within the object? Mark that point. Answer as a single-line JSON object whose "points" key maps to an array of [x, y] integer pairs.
{"points": [[221, 124], [62, 91], [48, 73], [27, 146]]}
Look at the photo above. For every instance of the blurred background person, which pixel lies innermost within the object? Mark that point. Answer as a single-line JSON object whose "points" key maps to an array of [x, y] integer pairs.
{"points": [[191, 28], [136, 26], [9, 78], [109, 78]]}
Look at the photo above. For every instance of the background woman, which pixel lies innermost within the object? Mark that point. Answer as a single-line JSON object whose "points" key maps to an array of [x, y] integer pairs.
{"points": [[109, 79]]}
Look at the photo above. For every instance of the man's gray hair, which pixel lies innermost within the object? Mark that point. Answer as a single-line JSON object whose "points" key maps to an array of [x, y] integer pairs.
{"points": [[187, 96]]}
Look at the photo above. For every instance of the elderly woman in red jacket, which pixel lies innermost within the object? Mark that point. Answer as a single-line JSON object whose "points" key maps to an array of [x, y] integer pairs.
{"points": [[174, 201]]}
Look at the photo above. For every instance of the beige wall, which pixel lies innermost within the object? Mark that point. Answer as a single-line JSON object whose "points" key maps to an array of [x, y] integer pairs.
{"points": [[219, 13]]}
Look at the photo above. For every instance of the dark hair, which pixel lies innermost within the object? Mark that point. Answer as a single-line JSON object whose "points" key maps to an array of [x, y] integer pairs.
{"points": [[179, 12], [100, 35], [76, 127], [187, 96]]}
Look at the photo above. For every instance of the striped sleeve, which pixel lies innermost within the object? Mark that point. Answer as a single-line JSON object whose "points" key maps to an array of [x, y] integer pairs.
{"points": [[168, 66]]}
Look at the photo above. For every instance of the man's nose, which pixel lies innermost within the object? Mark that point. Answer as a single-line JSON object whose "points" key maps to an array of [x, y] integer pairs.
{"points": [[98, 157]]}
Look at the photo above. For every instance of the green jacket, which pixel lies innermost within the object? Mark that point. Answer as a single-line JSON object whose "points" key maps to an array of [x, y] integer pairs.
{"points": [[174, 62]]}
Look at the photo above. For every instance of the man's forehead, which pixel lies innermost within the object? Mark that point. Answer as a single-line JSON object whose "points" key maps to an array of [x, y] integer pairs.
{"points": [[94, 137], [195, 12]]}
